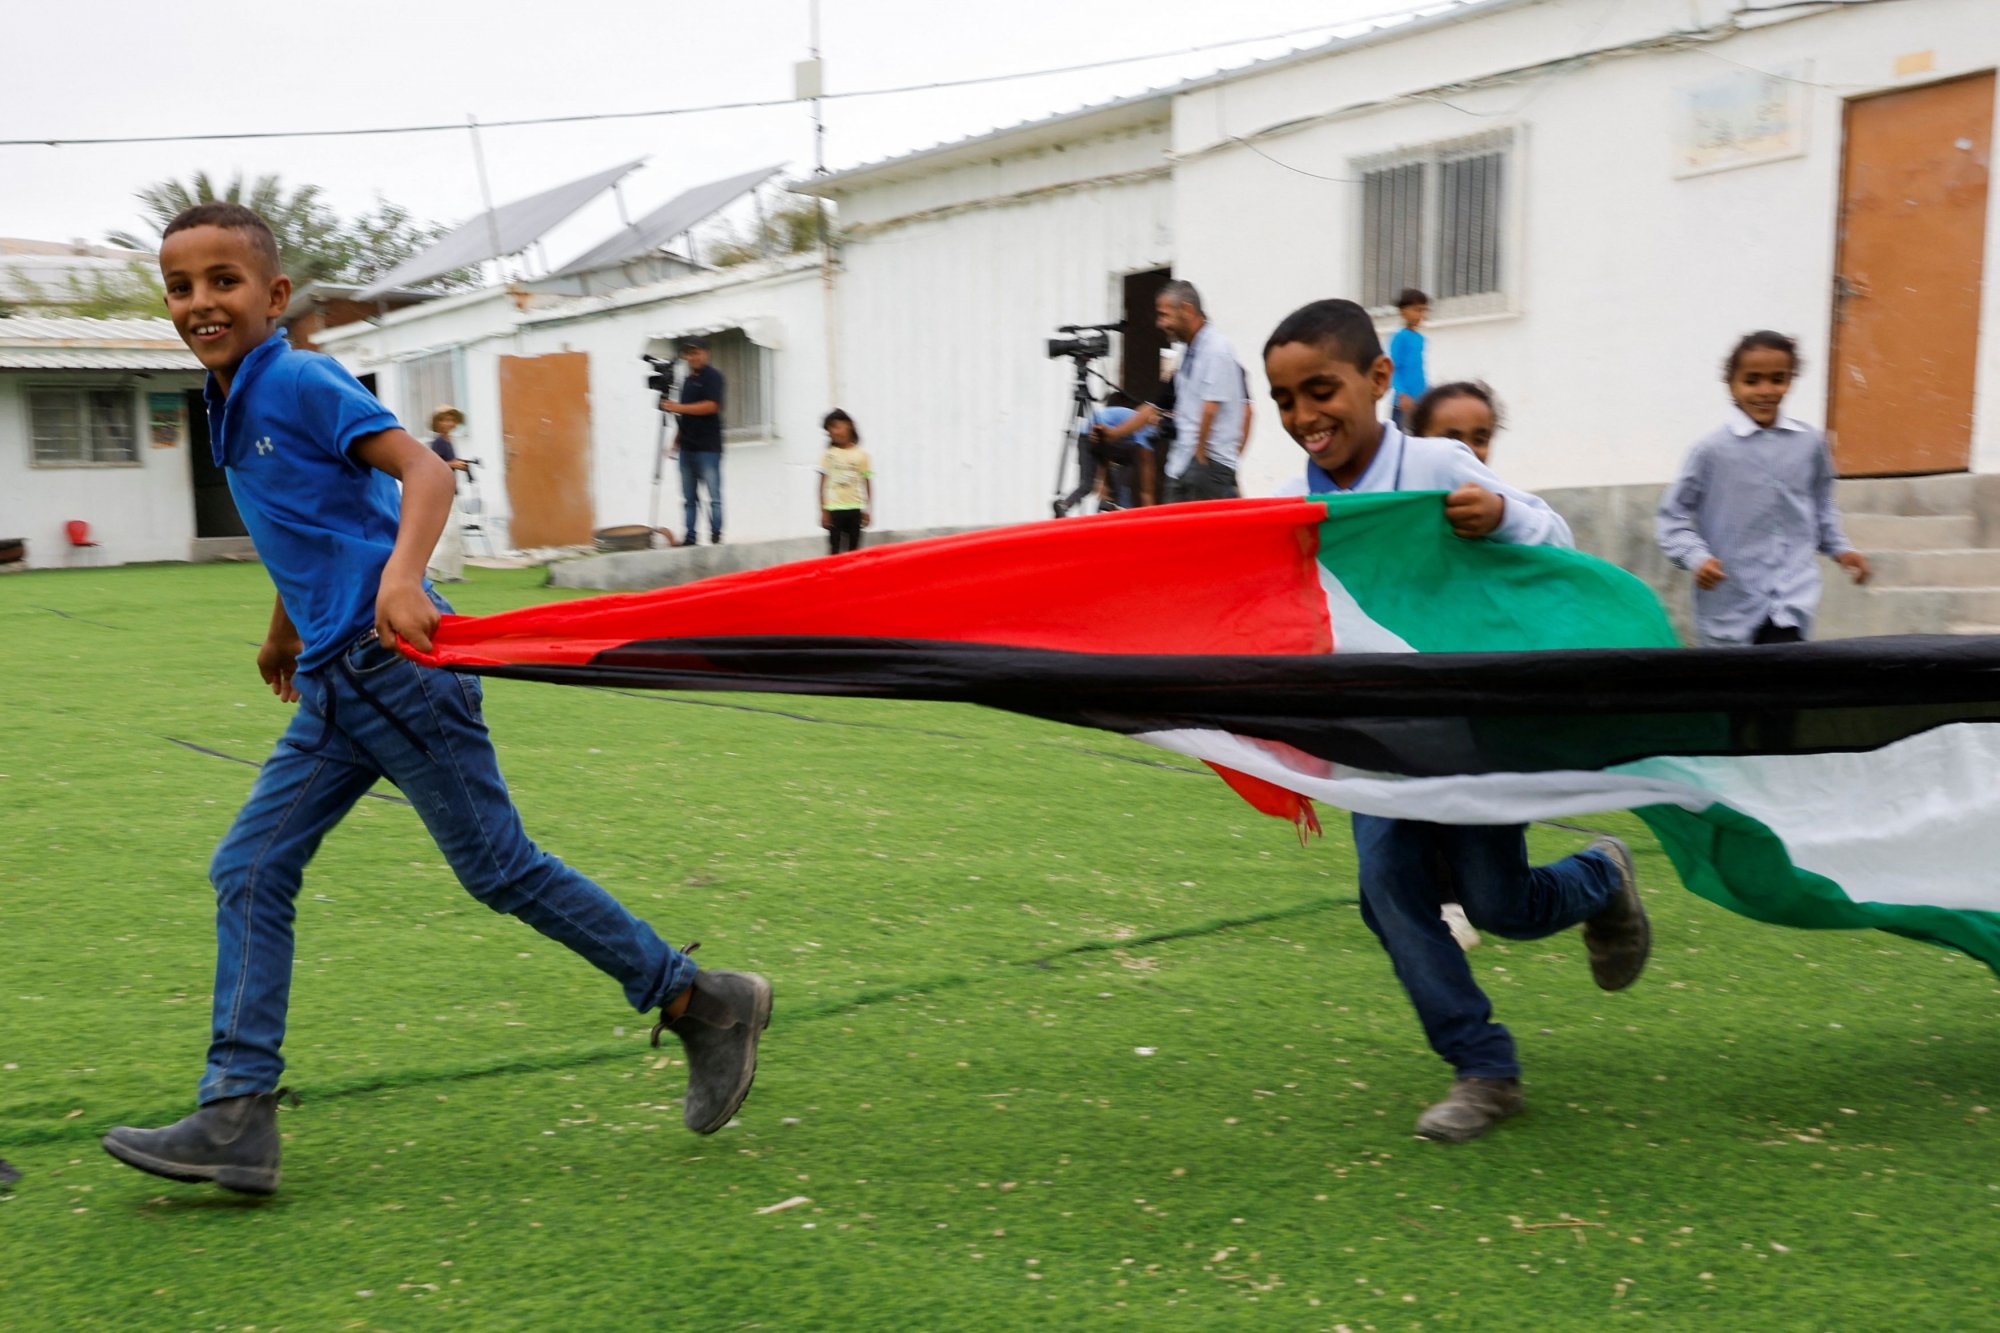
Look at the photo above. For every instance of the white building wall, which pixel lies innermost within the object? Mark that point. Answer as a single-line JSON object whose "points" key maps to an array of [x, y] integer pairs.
{"points": [[139, 511], [483, 325], [770, 483], [1630, 284], [942, 319], [767, 482]]}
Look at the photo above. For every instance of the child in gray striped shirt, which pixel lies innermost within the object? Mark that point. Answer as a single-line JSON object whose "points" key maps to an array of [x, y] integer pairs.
{"points": [[1752, 505]]}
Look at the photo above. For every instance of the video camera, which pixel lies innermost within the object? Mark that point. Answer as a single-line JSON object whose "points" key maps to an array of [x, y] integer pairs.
{"points": [[1094, 342], [661, 381]]}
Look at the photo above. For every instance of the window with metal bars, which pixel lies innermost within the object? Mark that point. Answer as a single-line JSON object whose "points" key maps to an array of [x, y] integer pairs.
{"points": [[1436, 219], [747, 391], [427, 383], [82, 426]]}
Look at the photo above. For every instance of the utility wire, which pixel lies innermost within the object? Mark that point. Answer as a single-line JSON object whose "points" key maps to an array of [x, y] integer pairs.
{"points": [[1409, 11]]}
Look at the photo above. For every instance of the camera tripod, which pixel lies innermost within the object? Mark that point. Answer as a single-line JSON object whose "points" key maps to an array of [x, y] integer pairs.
{"points": [[659, 469], [1082, 409]]}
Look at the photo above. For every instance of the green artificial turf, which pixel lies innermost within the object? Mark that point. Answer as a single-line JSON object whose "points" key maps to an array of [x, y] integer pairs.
{"points": [[1065, 1035]]}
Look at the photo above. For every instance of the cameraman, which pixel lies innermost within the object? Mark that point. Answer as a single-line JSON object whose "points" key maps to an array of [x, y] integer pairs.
{"points": [[698, 439], [1114, 457]]}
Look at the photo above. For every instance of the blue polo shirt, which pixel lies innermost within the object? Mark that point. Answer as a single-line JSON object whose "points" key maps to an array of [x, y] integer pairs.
{"points": [[324, 523]]}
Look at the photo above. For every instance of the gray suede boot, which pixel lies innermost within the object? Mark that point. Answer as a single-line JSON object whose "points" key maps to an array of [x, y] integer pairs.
{"points": [[232, 1142], [1473, 1106], [1619, 938], [726, 1013]]}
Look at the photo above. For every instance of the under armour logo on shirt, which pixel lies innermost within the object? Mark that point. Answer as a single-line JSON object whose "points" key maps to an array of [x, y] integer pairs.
{"points": [[264, 445]]}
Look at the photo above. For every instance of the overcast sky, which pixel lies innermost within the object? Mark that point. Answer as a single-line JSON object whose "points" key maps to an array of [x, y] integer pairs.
{"points": [[90, 68]]}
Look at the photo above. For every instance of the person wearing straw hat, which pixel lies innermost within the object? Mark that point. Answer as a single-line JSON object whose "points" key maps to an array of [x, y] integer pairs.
{"points": [[447, 562]]}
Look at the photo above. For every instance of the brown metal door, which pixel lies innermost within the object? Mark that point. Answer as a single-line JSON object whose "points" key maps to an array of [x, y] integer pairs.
{"points": [[1906, 291], [545, 430]]}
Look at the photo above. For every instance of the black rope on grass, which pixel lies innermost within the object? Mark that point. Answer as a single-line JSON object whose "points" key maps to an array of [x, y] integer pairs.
{"points": [[81, 620], [603, 1054], [258, 764]]}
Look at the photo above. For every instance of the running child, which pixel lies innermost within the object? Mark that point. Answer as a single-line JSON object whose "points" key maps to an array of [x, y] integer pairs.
{"points": [[1753, 505], [1327, 374], [313, 461]]}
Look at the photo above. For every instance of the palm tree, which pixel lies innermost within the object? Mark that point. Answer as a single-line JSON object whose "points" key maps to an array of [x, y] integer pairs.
{"points": [[311, 241]]}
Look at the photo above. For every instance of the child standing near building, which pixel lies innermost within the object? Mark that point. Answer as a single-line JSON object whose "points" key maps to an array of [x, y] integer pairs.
{"points": [[313, 461], [447, 563], [1752, 505], [846, 484], [1327, 376], [1406, 353]]}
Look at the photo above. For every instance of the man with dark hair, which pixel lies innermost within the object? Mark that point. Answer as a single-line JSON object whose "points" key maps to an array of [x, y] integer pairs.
{"points": [[698, 441], [1211, 396]]}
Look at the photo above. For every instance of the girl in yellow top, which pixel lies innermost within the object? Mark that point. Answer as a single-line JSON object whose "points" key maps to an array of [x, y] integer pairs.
{"points": [[846, 484]]}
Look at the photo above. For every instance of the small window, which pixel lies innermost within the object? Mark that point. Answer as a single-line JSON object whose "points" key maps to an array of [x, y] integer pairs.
{"points": [[746, 385], [82, 426], [1435, 219]]}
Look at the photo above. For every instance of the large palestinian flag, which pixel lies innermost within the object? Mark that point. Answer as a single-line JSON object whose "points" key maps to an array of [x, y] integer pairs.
{"points": [[1350, 649]]}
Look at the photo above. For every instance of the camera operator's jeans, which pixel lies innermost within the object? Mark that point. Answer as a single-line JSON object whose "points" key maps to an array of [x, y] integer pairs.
{"points": [[367, 714], [1203, 481], [1408, 869], [706, 469]]}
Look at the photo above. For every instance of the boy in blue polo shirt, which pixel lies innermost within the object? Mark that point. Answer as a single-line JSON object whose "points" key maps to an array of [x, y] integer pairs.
{"points": [[313, 461]]}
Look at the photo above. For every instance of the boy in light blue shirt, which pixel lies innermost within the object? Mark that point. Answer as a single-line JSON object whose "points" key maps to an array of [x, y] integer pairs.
{"points": [[313, 461], [1327, 374]]}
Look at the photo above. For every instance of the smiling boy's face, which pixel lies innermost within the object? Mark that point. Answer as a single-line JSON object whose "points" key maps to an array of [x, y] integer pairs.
{"points": [[223, 295], [1327, 404]]}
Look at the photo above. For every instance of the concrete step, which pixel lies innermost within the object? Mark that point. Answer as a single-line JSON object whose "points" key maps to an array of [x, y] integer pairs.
{"points": [[629, 570], [1971, 568], [1846, 611], [1951, 493], [1911, 532]]}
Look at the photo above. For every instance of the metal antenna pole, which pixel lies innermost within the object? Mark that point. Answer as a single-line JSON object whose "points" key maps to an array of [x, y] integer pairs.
{"points": [[815, 88], [486, 195]]}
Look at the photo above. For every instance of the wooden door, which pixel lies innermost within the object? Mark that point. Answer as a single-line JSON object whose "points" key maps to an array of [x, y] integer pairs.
{"points": [[1906, 289], [545, 435]]}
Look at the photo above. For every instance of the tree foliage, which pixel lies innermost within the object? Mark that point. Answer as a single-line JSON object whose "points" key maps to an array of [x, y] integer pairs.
{"points": [[790, 229], [131, 292], [315, 243]]}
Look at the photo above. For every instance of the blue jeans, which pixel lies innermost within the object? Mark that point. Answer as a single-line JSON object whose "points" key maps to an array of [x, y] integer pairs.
{"points": [[705, 469], [367, 714], [1408, 869]]}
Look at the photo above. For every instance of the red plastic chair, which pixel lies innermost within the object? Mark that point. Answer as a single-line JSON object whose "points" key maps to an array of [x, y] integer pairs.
{"points": [[79, 533]]}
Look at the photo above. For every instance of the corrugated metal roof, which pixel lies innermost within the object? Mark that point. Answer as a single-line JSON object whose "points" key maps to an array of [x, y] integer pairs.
{"points": [[78, 331], [30, 342], [107, 358], [1420, 19]]}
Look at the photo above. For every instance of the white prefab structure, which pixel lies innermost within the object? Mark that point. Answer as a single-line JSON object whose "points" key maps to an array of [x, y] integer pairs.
{"points": [[764, 323], [99, 425], [1600, 196], [956, 268]]}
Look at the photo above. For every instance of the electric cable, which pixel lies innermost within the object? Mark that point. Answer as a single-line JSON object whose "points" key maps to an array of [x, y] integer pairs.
{"points": [[1408, 11]]}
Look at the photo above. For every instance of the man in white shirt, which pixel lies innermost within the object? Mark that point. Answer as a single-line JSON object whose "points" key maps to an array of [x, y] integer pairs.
{"points": [[1327, 373], [1211, 400]]}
